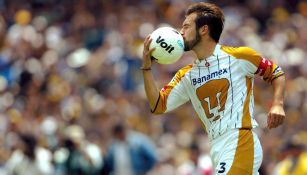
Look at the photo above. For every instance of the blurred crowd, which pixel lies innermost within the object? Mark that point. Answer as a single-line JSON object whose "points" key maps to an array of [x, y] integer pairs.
{"points": [[72, 100]]}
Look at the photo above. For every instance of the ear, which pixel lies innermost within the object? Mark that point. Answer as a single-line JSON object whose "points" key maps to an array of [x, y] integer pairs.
{"points": [[204, 30]]}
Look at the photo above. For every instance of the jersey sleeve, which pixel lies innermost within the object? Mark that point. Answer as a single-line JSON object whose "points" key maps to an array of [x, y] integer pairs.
{"points": [[252, 63], [172, 95]]}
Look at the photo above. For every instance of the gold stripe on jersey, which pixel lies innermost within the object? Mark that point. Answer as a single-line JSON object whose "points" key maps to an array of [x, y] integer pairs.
{"points": [[244, 157], [244, 53], [165, 91], [271, 71], [246, 120]]}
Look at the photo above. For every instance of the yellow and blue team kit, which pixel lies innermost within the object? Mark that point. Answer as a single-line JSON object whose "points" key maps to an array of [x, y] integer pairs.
{"points": [[220, 89]]}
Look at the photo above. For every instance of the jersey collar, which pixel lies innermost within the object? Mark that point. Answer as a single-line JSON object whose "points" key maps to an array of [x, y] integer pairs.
{"points": [[216, 52]]}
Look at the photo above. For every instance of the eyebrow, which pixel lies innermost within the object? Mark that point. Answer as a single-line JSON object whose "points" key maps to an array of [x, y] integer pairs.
{"points": [[185, 24]]}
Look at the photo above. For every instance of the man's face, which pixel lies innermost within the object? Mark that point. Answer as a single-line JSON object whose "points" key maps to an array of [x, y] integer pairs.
{"points": [[121, 136], [189, 33]]}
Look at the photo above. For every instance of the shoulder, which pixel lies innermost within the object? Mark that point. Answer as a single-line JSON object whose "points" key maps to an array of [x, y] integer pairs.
{"points": [[243, 53], [181, 72], [240, 52], [137, 138]]}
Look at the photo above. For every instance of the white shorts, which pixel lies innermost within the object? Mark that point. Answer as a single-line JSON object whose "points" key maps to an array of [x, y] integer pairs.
{"points": [[236, 152]]}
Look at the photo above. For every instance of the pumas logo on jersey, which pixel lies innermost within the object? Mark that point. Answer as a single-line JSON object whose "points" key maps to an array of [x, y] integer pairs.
{"points": [[209, 76]]}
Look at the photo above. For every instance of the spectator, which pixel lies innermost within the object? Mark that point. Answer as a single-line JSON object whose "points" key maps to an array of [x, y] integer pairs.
{"points": [[80, 156], [197, 164], [25, 159], [294, 160], [131, 153]]}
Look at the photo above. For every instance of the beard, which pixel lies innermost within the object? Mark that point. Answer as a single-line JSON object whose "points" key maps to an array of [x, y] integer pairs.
{"points": [[188, 45]]}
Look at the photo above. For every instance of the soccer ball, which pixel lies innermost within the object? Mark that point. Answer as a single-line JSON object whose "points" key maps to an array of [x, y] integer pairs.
{"points": [[168, 44]]}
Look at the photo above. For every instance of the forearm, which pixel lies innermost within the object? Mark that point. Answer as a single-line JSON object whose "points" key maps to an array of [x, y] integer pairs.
{"points": [[279, 90], [277, 113], [151, 89]]}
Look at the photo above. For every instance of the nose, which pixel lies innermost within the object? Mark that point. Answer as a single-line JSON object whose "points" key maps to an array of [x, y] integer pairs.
{"points": [[181, 32]]}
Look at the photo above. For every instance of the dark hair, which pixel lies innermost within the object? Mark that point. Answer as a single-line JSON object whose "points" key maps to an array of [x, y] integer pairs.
{"points": [[210, 15], [118, 128], [30, 144], [291, 145]]}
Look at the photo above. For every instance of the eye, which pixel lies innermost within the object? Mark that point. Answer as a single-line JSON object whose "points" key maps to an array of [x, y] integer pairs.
{"points": [[176, 32]]}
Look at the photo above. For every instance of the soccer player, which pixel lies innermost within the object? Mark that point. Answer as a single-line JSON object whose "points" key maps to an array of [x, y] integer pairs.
{"points": [[219, 84]]}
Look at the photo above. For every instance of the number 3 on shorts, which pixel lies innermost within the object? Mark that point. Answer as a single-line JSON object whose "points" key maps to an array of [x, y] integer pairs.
{"points": [[222, 167]]}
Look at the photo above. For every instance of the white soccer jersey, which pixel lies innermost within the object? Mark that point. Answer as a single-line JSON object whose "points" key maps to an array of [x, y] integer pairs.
{"points": [[220, 88]]}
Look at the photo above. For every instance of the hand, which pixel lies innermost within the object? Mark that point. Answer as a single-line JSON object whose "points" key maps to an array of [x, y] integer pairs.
{"points": [[147, 53], [276, 116]]}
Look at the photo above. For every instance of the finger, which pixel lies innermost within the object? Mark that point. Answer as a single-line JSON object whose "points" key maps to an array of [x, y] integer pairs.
{"points": [[269, 121], [147, 43], [147, 51], [147, 54], [280, 120], [150, 53], [151, 50], [147, 38], [274, 120]]}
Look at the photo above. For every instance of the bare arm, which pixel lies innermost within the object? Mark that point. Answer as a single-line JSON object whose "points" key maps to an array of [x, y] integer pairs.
{"points": [[151, 89], [279, 90], [277, 114]]}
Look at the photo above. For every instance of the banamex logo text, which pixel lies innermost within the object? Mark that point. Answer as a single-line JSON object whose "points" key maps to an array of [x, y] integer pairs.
{"points": [[168, 47]]}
